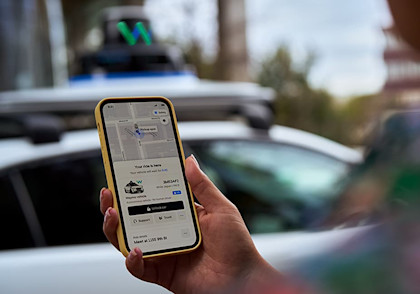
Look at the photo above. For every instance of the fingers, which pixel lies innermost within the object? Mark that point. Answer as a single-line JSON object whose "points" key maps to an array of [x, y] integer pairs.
{"points": [[204, 189], [111, 218], [110, 226], [105, 199], [134, 263]]}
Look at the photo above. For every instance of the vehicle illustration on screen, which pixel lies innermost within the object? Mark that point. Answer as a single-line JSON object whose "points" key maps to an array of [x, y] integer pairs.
{"points": [[133, 188]]}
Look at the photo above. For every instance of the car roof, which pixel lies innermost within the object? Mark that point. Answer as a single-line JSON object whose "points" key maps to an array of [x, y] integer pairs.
{"points": [[315, 142], [132, 184], [185, 91], [194, 99], [280, 134], [18, 151]]}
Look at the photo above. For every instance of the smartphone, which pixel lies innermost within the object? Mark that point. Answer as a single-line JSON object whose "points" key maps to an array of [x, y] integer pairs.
{"points": [[144, 166]]}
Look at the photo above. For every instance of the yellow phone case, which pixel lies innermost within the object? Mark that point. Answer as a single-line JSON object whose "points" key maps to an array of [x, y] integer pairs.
{"points": [[111, 185]]}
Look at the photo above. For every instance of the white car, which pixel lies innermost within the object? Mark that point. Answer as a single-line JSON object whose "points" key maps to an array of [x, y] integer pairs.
{"points": [[274, 177], [281, 179], [41, 214], [133, 188]]}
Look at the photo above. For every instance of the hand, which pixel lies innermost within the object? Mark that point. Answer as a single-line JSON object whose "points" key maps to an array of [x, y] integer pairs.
{"points": [[226, 259]]}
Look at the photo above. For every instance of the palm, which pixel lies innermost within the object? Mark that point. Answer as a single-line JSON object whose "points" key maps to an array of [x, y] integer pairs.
{"points": [[210, 266]]}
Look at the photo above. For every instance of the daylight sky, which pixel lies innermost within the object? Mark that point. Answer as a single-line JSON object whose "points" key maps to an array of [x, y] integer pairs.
{"points": [[346, 36]]}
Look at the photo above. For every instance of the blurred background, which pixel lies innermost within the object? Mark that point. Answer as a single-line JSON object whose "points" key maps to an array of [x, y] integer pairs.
{"points": [[334, 66]]}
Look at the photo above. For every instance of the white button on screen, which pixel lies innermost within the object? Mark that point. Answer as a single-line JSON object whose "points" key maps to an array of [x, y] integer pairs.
{"points": [[185, 233]]}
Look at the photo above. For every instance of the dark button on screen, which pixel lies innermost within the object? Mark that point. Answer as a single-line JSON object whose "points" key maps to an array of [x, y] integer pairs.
{"points": [[158, 207]]}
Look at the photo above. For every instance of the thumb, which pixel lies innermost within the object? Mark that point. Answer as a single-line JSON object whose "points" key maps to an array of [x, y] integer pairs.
{"points": [[203, 188]]}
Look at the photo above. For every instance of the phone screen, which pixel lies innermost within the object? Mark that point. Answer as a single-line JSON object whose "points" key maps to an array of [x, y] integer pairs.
{"points": [[147, 166]]}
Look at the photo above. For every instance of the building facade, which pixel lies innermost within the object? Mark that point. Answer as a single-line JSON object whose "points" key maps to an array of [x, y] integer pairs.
{"points": [[402, 87]]}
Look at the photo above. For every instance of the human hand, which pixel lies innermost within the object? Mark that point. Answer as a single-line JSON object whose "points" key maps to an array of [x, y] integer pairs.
{"points": [[226, 259]]}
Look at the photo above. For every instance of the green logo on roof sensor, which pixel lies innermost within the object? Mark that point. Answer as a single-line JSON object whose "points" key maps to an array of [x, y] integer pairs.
{"points": [[132, 37]]}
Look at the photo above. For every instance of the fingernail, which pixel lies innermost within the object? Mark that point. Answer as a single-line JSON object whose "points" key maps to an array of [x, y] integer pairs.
{"points": [[101, 193], [195, 160], [138, 252], [132, 255], [107, 213], [135, 253]]}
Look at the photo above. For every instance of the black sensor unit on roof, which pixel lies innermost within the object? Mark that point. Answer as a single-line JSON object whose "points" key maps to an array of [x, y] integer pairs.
{"points": [[39, 128]]}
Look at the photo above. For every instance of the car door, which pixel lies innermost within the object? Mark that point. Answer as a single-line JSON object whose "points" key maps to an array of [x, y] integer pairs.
{"points": [[54, 201]]}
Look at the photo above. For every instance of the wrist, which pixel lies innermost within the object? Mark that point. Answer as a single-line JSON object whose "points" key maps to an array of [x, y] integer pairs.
{"points": [[260, 276]]}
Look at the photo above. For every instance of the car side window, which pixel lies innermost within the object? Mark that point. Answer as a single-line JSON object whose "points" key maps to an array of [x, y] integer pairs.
{"points": [[65, 194], [14, 229], [276, 187]]}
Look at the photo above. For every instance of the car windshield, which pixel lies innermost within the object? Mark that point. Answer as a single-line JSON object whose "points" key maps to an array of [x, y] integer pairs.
{"points": [[277, 187], [287, 169]]}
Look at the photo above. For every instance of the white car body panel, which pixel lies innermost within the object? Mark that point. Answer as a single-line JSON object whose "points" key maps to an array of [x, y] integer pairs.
{"points": [[20, 150], [100, 268], [315, 142]]}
